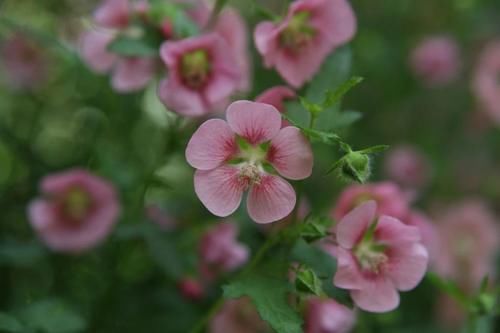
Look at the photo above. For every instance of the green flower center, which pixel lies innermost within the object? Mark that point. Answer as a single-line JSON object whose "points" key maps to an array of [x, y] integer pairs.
{"points": [[251, 161], [77, 203], [195, 69], [298, 33]]}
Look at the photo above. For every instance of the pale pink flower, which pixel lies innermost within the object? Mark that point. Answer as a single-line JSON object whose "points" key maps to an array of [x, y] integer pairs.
{"points": [[249, 152], [114, 14], [238, 316], [76, 212], [276, 96], [128, 74], [428, 232], [298, 45], [407, 166], [22, 62], [436, 60], [202, 74], [469, 239], [374, 261], [328, 316], [220, 252], [486, 83], [389, 197]]}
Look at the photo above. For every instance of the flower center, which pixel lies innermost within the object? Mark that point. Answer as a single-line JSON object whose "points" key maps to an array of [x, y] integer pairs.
{"points": [[298, 33], [76, 204], [250, 174], [371, 256], [195, 69]]}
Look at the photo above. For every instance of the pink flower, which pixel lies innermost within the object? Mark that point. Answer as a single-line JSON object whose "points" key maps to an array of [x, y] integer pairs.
{"points": [[249, 152], [469, 239], [113, 14], [191, 288], [298, 45], [22, 62], [436, 60], [486, 85], [374, 261], [202, 74], [328, 316], [238, 316], [389, 197], [428, 232], [77, 211], [276, 96], [407, 166], [220, 252], [128, 73]]}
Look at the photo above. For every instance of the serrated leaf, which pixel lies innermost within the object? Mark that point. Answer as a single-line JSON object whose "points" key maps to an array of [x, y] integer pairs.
{"points": [[9, 323], [329, 138], [132, 47], [269, 295], [332, 97], [308, 282], [52, 316]]}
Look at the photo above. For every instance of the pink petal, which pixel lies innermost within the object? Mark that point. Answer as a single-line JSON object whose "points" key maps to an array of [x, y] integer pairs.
{"points": [[407, 265], [391, 231], [290, 153], [211, 144], [181, 100], [352, 226], [113, 14], [264, 32], [336, 20], [132, 74], [256, 122], [379, 296], [275, 96], [93, 50], [220, 190], [40, 214], [348, 275], [271, 200]]}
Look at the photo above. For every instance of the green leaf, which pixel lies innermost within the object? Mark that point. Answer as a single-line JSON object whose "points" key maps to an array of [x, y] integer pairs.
{"points": [[269, 295], [334, 97], [52, 316], [346, 118], [328, 138], [10, 323], [183, 26], [313, 108], [315, 228], [308, 282], [132, 47], [449, 287], [374, 149]]}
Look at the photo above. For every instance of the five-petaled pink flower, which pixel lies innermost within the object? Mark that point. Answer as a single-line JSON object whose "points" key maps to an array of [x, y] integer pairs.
{"points": [[407, 166], [486, 83], [436, 60], [220, 251], [202, 74], [298, 45], [376, 257], [249, 152], [77, 211], [328, 316], [389, 197]]}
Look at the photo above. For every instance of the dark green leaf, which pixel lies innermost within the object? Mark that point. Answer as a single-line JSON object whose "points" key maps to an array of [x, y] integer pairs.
{"points": [[269, 295], [9, 323], [132, 47], [333, 97], [308, 282]]}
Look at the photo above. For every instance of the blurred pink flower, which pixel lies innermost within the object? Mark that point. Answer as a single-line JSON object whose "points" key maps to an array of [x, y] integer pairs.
{"points": [[113, 14], [436, 60], [328, 316], [220, 251], [375, 261], [160, 217], [469, 239], [298, 45], [76, 212], [407, 166], [276, 96], [389, 197], [191, 288], [486, 83], [428, 232], [235, 156], [202, 74], [128, 74], [22, 62], [238, 316]]}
